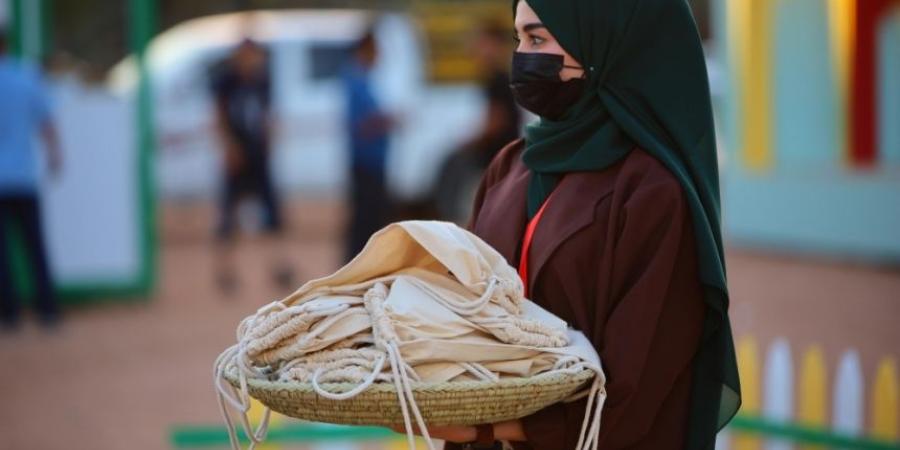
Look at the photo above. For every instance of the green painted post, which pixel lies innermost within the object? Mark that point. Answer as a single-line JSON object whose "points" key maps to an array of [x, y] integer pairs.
{"points": [[28, 30], [142, 28], [20, 27], [15, 27]]}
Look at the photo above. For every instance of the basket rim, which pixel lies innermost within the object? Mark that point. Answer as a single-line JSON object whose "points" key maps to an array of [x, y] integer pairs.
{"points": [[582, 376]]}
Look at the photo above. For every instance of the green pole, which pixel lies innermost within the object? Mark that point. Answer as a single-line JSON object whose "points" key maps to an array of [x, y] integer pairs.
{"points": [[142, 22], [25, 35], [15, 28], [28, 28]]}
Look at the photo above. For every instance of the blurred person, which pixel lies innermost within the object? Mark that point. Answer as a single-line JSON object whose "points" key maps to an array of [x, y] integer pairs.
{"points": [[242, 91], [368, 127], [502, 115], [610, 209], [501, 122], [24, 110]]}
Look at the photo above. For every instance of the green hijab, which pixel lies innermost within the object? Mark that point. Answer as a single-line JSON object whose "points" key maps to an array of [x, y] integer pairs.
{"points": [[647, 87]]}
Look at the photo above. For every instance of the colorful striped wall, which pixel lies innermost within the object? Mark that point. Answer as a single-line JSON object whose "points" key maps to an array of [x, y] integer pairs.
{"points": [[808, 109], [813, 81]]}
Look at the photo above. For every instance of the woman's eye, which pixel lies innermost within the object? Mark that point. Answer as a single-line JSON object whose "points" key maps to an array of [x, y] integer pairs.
{"points": [[535, 40]]}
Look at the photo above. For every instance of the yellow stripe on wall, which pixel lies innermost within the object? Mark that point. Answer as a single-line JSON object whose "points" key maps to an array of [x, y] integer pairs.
{"points": [[753, 20], [750, 373], [813, 392], [842, 21], [885, 402]]}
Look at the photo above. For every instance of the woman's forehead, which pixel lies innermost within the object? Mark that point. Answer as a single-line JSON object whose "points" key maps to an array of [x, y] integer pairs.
{"points": [[525, 15]]}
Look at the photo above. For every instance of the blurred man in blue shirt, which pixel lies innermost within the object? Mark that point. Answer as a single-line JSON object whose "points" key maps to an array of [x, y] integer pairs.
{"points": [[368, 127], [24, 110]]}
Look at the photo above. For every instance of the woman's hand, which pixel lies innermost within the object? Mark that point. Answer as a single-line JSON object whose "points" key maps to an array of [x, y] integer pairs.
{"points": [[511, 430], [455, 434]]}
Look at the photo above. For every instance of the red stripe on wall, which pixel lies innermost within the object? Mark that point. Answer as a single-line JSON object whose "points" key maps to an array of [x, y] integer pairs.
{"points": [[863, 113]]}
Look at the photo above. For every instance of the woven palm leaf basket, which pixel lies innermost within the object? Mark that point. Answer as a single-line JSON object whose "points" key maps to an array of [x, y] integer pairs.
{"points": [[449, 403]]}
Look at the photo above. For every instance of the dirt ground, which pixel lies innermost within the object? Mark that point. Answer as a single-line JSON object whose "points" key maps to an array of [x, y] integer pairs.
{"points": [[120, 376]]}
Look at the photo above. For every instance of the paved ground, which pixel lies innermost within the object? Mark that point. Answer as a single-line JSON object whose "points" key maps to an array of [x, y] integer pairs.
{"points": [[120, 376]]}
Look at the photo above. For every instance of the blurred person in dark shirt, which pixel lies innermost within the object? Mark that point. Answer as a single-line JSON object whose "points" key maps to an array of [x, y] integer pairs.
{"points": [[24, 110], [503, 117], [461, 170], [368, 127], [242, 91]]}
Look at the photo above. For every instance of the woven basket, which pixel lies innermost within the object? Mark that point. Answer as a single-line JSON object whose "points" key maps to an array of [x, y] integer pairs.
{"points": [[450, 403]]}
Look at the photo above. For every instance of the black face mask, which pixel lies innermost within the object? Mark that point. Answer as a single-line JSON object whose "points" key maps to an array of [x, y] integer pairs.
{"points": [[537, 87]]}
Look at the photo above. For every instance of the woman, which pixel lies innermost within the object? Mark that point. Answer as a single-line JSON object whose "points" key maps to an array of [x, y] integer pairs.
{"points": [[617, 186]]}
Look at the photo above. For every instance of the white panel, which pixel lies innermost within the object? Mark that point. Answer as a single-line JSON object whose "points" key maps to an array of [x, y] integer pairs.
{"points": [[848, 396], [778, 401], [723, 440], [91, 213]]}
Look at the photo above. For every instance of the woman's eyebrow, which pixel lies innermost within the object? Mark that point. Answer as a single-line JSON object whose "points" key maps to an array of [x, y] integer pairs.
{"points": [[533, 26]]}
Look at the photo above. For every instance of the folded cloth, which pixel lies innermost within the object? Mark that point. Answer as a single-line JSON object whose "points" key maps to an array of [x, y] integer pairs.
{"points": [[424, 301]]}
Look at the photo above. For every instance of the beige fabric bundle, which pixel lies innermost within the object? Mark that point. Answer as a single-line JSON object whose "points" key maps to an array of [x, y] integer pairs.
{"points": [[424, 301]]}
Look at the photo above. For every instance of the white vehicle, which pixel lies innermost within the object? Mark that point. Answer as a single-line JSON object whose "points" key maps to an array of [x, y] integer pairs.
{"points": [[307, 49]]}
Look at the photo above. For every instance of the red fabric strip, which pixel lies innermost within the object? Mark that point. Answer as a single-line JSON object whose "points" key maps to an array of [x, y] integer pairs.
{"points": [[526, 245]]}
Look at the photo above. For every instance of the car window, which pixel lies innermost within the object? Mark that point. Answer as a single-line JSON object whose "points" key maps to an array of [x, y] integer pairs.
{"points": [[327, 59]]}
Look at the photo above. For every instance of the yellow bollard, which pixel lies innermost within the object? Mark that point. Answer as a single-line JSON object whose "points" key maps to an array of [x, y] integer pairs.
{"points": [[813, 392], [749, 370], [885, 402]]}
